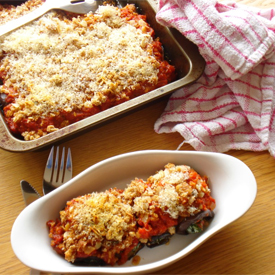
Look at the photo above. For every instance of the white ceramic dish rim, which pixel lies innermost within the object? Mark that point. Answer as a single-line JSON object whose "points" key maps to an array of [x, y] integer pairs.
{"points": [[222, 160]]}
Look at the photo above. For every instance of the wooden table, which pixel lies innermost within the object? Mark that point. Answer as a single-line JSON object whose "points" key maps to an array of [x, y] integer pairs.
{"points": [[245, 247]]}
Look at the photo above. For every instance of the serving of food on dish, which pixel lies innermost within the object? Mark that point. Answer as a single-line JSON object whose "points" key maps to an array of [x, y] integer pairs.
{"points": [[133, 213], [111, 227]]}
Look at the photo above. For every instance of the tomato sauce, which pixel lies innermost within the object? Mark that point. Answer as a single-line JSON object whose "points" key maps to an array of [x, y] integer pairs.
{"points": [[155, 227]]}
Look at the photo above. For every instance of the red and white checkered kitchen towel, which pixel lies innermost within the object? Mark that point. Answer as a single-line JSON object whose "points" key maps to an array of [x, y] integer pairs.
{"points": [[232, 105]]}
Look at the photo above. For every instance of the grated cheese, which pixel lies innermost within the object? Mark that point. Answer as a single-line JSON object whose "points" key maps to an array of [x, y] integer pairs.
{"points": [[96, 218], [54, 64], [109, 221], [8, 12], [171, 191]]}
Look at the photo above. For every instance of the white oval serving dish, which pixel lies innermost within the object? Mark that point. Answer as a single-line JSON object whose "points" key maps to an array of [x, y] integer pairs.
{"points": [[229, 179]]}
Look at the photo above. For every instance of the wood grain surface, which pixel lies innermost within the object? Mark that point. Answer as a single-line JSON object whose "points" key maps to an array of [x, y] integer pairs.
{"points": [[246, 246]]}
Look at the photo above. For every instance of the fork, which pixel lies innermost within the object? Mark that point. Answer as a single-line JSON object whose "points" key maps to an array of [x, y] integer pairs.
{"points": [[75, 6], [56, 173]]}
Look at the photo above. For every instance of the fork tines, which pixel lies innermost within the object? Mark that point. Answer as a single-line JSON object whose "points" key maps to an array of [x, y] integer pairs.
{"points": [[58, 173]]}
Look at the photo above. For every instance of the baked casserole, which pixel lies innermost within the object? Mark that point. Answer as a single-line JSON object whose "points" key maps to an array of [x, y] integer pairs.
{"points": [[63, 67]]}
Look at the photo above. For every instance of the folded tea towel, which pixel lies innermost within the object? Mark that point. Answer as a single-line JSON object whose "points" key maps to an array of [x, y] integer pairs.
{"points": [[232, 105]]}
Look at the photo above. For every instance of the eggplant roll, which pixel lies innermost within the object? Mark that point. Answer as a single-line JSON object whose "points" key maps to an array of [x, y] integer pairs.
{"points": [[108, 228]]}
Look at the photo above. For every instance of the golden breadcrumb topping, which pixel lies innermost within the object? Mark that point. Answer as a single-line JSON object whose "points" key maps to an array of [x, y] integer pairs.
{"points": [[10, 12], [108, 221], [54, 64], [91, 221], [60, 64], [169, 190]]}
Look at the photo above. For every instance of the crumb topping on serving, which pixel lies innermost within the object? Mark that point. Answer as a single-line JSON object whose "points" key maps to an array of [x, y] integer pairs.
{"points": [[169, 190], [97, 219], [109, 220]]}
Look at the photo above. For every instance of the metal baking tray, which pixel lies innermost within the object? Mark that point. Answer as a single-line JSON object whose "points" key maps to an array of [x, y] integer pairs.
{"points": [[181, 53]]}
